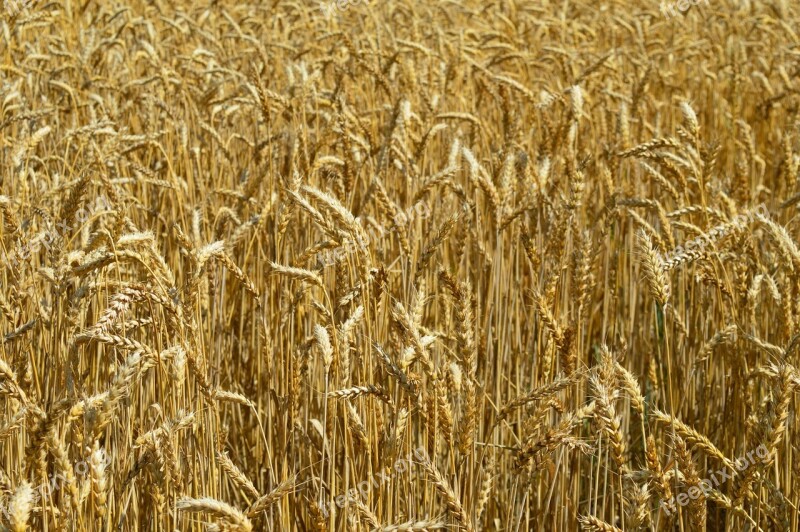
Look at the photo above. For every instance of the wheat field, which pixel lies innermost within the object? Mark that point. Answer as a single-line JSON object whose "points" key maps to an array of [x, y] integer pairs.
{"points": [[400, 265]]}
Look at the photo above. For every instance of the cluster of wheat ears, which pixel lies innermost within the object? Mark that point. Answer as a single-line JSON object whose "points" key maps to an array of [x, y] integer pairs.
{"points": [[175, 354]]}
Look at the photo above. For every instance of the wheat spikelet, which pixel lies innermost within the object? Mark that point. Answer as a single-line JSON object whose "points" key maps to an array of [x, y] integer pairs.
{"points": [[296, 273], [356, 425], [786, 245], [216, 508], [486, 489], [99, 478], [335, 208], [664, 142], [787, 384], [239, 274], [593, 524], [19, 331], [118, 305], [20, 506], [653, 464], [394, 370], [357, 391], [412, 526], [236, 475], [444, 412], [324, 342], [640, 515], [692, 437], [64, 467], [265, 501], [233, 397], [653, 266], [538, 394], [442, 233], [631, 386], [609, 421], [120, 388], [453, 504], [410, 328], [554, 437], [772, 349], [393, 213], [726, 335], [367, 516], [9, 217], [697, 505], [13, 424], [345, 335]]}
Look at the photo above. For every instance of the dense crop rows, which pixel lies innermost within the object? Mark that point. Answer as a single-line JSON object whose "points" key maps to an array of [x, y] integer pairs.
{"points": [[399, 265]]}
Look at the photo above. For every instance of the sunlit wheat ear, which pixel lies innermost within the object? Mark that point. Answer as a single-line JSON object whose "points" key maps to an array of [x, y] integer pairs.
{"points": [[640, 511], [479, 176], [317, 216], [390, 210], [356, 425], [226, 513], [366, 516], [417, 349], [346, 332], [786, 386], [232, 397], [9, 217], [723, 336], [20, 506], [631, 386], [337, 210], [452, 502], [296, 273], [656, 471], [412, 526], [653, 268], [692, 437], [236, 475], [120, 388], [697, 505], [609, 421], [690, 119], [136, 239], [592, 524], [406, 383], [277, 493], [237, 272], [119, 304], [324, 342], [786, 245], [441, 235], [487, 486], [537, 394], [97, 464], [11, 425], [444, 411], [209, 251], [576, 101], [358, 391]]}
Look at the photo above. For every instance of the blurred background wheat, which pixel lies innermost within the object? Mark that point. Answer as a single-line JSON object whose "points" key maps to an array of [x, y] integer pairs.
{"points": [[178, 351]]}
